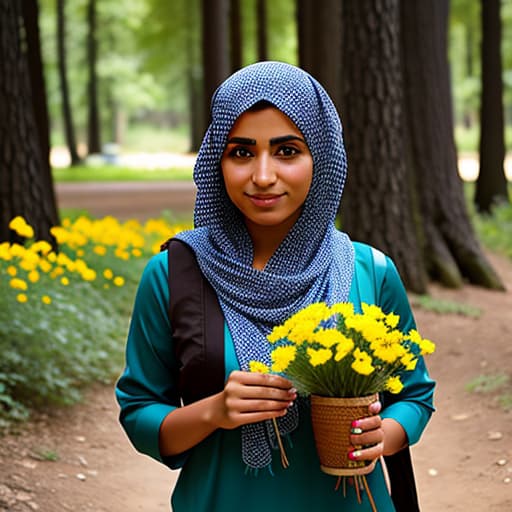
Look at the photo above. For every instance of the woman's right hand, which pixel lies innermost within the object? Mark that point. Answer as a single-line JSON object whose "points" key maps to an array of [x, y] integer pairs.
{"points": [[251, 397]]}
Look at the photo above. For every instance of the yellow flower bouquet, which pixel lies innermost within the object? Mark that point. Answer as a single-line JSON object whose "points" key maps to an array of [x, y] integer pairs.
{"points": [[334, 351], [335, 354]]}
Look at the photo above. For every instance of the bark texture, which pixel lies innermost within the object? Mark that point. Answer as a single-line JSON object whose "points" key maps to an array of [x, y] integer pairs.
{"points": [[215, 48], [320, 43], [32, 38], [451, 249], [67, 114], [377, 206], [23, 189], [93, 118], [491, 185]]}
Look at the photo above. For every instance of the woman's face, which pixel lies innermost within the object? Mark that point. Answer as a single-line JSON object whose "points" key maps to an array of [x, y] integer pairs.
{"points": [[267, 169]]}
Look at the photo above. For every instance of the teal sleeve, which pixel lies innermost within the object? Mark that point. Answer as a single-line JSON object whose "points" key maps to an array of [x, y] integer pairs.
{"points": [[147, 389], [413, 406]]}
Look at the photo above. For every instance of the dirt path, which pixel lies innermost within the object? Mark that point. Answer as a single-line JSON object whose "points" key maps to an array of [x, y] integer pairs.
{"points": [[139, 200], [462, 464]]}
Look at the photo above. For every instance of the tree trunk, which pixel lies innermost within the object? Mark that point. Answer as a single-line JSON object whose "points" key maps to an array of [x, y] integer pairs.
{"points": [[67, 115], [451, 250], [94, 130], [320, 43], [215, 49], [305, 31], [491, 185], [261, 29], [23, 186], [235, 33], [376, 206], [194, 82], [30, 11]]}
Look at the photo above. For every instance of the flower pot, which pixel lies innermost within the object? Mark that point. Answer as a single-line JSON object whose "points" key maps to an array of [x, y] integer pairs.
{"points": [[332, 419]]}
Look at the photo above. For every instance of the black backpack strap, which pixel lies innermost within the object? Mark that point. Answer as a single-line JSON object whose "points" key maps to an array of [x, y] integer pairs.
{"points": [[399, 465], [403, 485], [197, 325]]}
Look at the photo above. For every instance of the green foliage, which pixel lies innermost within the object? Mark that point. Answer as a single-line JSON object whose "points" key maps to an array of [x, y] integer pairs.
{"points": [[445, 307], [84, 173], [498, 384], [487, 383], [495, 230], [46, 454]]}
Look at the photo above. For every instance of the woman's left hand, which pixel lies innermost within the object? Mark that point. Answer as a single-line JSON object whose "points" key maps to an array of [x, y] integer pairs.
{"points": [[367, 436]]}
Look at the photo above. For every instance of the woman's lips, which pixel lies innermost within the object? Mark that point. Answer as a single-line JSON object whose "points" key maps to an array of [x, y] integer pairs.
{"points": [[265, 200]]}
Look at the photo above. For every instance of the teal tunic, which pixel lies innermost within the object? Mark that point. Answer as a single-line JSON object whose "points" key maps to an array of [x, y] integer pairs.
{"points": [[213, 476]]}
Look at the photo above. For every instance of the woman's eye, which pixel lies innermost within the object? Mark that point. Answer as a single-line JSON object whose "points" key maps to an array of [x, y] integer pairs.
{"points": [[287, 151], [240, 152]]}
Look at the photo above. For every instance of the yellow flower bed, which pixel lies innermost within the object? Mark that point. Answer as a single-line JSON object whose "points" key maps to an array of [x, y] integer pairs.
{"points": [[88, 250]]}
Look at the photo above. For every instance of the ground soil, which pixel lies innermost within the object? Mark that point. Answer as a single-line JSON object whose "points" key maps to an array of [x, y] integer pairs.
{"points": [[463, 463]]}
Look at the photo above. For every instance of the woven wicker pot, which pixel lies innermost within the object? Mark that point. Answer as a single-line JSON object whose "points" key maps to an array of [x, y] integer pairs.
{"points": [[332, 419]]}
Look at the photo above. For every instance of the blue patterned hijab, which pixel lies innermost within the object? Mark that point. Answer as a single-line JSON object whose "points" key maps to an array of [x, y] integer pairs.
{"points": [[315, 261]]}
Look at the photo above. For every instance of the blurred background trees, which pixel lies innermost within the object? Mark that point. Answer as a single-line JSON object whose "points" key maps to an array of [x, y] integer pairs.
{"points": [[418, 84]]}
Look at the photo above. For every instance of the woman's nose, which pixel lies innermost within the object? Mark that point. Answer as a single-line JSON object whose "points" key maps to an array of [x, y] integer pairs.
{"points": [[264, 173]]}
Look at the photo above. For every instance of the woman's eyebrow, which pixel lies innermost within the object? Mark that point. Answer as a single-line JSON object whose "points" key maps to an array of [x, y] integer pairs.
{"points": [[285, 138], [242, 140]]}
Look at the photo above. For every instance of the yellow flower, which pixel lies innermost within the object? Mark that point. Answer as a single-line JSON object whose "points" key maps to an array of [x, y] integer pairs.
{"points": [[388, 350], [41, 246], [20, 226], [362, 362], [137, 252], [101, 250], [118, 281], [409, 361], [426, 346], [318, 356], [88, 274], [394, 385], [12, 270], [372, 311], [343, 348], [258, 367], [64, 280], [278, 332], [46, 299], [344, 309], [282, 357], [33, 276], [60, 234], [18, 284], [328, 337], [392, 320], [108, 274], [45, 266], [21, 298]]}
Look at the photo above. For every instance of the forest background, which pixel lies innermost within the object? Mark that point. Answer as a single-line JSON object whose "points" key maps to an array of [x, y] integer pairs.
{"points": [[84, 84]]}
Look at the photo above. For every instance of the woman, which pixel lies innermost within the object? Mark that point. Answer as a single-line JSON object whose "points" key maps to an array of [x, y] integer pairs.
{"points": [[269, 176]]}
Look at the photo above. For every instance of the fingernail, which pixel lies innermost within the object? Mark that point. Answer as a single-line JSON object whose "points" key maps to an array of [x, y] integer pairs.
{"points": [[292, 391], [355, 424], [356, 430], [354, 454], [290, 404]]}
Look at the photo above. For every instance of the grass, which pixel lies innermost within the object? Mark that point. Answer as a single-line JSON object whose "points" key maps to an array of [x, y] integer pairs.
{"points": [[445, 307], [498, 384], [84, 173]]}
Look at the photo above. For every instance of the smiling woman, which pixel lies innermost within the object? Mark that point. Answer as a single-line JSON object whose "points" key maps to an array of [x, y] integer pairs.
{"points": [[269, 175]]}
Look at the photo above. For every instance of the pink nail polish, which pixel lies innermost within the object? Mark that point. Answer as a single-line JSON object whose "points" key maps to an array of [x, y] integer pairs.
{"points": [[355, 424]]}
